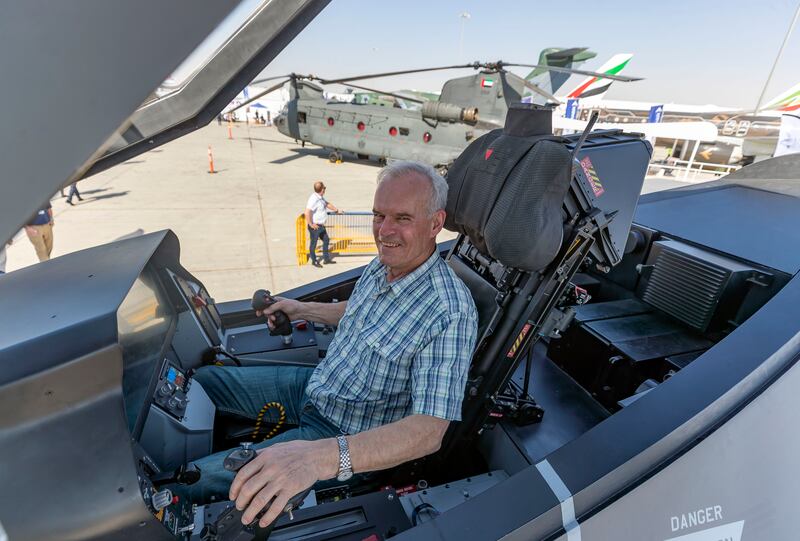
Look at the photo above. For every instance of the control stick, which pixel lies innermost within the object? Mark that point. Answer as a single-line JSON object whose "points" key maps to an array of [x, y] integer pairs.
{"points": [[187, 474], [229, 525], [263, 299]]}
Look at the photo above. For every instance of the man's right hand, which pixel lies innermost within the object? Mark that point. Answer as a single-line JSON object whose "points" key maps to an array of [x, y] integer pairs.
{"points": [[292, 308], [314, 226]]}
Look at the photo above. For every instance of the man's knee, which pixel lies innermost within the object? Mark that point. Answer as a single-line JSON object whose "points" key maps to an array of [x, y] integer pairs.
{"points": [[210, 379], [203, 374]]}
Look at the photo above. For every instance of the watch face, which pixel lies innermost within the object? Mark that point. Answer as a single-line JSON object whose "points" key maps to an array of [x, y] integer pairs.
{"points": [[345, 476]]}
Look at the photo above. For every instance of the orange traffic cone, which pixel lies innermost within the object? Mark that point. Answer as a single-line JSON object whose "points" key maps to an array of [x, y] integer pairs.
{"points": [[210, 161]]}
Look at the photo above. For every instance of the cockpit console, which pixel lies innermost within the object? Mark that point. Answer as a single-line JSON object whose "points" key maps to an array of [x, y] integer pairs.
{"points": [[603, 316]]}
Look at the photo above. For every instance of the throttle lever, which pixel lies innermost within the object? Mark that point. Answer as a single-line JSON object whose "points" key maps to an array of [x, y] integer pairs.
{"points": [[239, 457], [229, 525], [263, 299]]}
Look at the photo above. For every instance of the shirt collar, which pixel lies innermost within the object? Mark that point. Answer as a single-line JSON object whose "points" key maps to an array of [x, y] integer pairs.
{"points": [[398, 286]]}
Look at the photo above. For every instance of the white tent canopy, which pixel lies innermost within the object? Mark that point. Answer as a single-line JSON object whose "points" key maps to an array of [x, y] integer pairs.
{"points": [[700, 131]]}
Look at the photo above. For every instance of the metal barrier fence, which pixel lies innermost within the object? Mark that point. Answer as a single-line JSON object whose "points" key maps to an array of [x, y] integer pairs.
{"points": [[350, 234], [686, 168]]}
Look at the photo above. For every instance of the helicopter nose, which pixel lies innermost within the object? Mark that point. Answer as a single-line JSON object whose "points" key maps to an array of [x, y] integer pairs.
{"points": [[280, 122]]}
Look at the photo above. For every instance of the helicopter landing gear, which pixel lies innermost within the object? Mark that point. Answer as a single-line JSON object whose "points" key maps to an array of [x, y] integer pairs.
{"points": [[335, 157]]}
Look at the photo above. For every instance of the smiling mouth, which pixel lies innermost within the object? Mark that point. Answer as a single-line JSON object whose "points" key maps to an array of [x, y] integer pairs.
{"points": [[389, 244]]}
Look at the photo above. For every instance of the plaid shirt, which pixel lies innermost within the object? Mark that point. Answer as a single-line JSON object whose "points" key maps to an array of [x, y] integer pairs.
{"points": [[401, 348]]}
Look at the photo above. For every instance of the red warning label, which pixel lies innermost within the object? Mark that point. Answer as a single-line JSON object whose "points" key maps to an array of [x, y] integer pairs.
{"points": [[591, 175], [518, 341]]}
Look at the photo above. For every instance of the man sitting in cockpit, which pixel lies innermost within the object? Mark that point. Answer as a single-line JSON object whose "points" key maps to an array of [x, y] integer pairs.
{"points": [[394, 374]]}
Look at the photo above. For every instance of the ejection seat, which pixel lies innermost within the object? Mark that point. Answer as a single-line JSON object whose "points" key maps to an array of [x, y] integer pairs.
{"points": [[532, 208]]}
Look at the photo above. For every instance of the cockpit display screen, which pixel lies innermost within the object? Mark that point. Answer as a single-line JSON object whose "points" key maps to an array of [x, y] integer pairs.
{"points": [[143, 322], [177, 377]]}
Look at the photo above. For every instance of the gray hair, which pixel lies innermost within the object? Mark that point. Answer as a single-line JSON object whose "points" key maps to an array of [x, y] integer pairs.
{"points": [[438, 199]]}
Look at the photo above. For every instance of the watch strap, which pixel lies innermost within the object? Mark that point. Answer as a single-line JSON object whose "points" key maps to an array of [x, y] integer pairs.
{"points": [[345, 464]]}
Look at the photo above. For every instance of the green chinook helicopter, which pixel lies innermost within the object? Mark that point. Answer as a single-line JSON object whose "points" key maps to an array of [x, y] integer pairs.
{"points": [[434, 131]]}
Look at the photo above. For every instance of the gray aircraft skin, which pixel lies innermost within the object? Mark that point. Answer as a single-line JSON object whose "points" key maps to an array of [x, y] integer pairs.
{"points": [[434, 132], [669, 398]]}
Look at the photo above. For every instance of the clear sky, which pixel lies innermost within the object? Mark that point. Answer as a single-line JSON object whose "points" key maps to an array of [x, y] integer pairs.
{"points": [[696, 52]]}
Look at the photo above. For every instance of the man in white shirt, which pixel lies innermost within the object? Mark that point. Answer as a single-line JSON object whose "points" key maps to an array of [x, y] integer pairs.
{"points": [[3, 258], [316, 215]]}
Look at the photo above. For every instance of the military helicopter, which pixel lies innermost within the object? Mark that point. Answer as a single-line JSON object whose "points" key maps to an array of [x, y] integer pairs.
{"points": [[434, 131]]}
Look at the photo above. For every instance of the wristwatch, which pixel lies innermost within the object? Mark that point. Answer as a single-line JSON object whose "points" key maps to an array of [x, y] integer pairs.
{"points": [[345, 466]]}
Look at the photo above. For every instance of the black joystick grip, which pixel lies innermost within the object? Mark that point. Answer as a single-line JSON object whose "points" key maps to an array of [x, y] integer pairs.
{"points": [[263, 299], [239, 457]]}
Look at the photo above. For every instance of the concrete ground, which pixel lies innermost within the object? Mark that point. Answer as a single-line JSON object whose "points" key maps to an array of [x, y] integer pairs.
{"points": [[236, 227]]}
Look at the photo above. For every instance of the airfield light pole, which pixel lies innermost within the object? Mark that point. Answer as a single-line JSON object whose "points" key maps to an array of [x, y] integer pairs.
{"points": [[464, 15], [774, 64]]}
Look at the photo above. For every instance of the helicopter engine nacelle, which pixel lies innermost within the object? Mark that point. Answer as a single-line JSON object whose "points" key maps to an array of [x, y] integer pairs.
{"points": [[447, 112]]}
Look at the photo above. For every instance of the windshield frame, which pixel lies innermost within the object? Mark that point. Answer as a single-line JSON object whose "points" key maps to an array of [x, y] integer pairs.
{"points": [[211, 87]]}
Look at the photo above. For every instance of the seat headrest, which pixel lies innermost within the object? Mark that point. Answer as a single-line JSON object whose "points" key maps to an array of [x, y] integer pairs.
{"points": [[507, 188]]}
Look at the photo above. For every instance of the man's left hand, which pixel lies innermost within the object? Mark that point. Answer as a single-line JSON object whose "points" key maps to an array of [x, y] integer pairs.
{"points": [[281, 472]]}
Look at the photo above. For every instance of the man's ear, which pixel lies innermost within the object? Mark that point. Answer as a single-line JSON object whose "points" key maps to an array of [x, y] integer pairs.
{"points": [[438, 221]]}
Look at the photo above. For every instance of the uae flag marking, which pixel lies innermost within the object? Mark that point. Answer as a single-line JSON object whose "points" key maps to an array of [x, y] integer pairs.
{"points": [[487, 83]]}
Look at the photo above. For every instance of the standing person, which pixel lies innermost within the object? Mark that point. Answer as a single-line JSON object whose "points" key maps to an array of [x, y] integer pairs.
{"points": [[3, 258], [316, 215], [73, 192], [40, 232]]}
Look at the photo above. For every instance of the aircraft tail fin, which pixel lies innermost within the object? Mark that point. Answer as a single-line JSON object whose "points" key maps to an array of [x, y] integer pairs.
{"points": [[562, 58], [786, 101], [597, 86]]}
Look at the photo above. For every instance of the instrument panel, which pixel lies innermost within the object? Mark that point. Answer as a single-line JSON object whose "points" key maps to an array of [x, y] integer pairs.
{"points": [[172, 391]]}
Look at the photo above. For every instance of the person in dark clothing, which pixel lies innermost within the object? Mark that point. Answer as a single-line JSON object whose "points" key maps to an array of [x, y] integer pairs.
{"points": [[73, 192]]}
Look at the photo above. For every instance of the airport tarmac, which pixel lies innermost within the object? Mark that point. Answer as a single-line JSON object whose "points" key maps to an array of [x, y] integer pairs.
{"points": [[237, 226]]}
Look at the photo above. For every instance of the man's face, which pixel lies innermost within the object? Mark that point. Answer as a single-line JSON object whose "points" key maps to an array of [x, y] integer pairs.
{"points": [[404, 230]]}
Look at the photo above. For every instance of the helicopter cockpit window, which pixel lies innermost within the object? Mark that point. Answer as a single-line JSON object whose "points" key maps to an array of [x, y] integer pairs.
{"points": [[301, 117]]}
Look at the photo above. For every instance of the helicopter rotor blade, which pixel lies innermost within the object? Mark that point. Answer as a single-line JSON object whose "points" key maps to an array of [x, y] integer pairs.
{"points": [[265, 79], [383, 93], [474, 65], [623, 78], [260, 94], [533, 87]]}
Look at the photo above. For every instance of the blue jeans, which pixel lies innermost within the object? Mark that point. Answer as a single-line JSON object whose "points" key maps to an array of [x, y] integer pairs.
{"points": [[73, 192], [243, 392], [319, 233]]}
